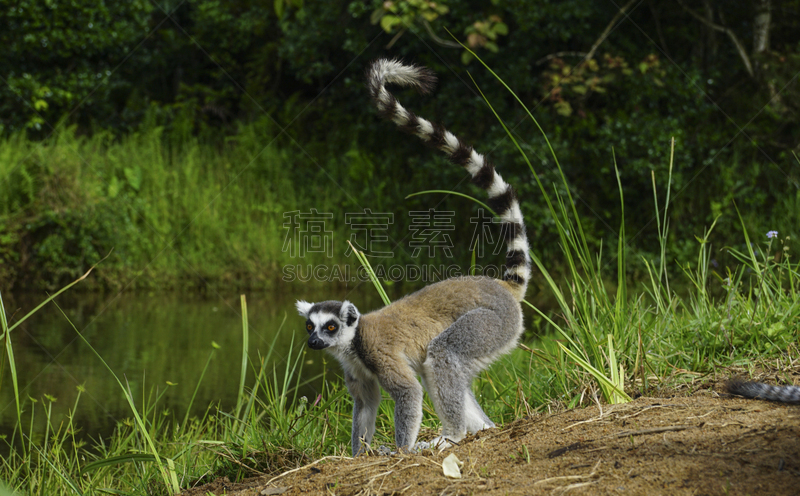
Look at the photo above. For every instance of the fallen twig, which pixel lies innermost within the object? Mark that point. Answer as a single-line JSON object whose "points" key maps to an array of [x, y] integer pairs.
{"points": [[654, 430], [332, 457]]}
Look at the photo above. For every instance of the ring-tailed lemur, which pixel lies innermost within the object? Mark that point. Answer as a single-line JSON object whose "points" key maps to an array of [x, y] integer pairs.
{"points": [[761, 391], [446, 332]]}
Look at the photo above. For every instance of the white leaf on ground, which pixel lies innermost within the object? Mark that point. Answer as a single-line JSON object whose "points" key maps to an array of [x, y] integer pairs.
{"points": [[450, 466]]}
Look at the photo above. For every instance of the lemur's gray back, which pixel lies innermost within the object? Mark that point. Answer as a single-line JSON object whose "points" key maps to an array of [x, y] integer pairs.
{"points": [[761, 391], [502, 198]]}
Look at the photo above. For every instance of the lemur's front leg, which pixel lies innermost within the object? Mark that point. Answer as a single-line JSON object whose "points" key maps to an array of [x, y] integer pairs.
{"points": [[366, 395]]}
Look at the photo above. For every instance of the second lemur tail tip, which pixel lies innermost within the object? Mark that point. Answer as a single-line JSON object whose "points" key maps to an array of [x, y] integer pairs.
{"points": [[502, 198], [761, 391]]}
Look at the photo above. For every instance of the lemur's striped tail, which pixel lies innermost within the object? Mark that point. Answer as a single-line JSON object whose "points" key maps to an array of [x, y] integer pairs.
{"points": [[761, 391], [502, 198]]}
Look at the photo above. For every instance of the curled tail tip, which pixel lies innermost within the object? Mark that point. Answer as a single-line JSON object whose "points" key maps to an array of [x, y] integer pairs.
{"points": [[382, 71], [502, 198]]}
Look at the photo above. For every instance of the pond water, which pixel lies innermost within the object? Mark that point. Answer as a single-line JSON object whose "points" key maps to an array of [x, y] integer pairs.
{"points": [[150, 340]]}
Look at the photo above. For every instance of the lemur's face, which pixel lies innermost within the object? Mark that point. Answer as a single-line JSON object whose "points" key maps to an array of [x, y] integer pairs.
{"points": [[330, 324]]}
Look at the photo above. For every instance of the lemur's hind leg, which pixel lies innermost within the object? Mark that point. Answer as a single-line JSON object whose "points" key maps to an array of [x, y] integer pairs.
{"points": [[476, 418], [455, 357]]}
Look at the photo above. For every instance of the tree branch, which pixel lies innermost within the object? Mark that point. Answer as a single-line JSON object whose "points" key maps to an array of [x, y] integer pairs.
{"points": [[436, 39], [739, 47], [590, 54], [761, 24], [608, 29], [657, 19]]}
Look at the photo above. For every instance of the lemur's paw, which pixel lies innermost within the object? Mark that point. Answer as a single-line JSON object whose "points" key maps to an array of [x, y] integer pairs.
{"points": [[421, 446], [440, 443], [384, 451]]}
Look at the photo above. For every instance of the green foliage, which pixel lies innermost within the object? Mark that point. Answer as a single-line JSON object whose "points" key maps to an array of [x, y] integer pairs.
{"points": [[417, 15], [61, 55], [570, 86], [484, 34], [280, 6], [89, 196], [184, 140], [213, 68], [400, 15]]}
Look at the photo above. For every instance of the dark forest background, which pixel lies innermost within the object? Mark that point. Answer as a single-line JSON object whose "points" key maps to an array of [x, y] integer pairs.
{"points": [[178, 133]]}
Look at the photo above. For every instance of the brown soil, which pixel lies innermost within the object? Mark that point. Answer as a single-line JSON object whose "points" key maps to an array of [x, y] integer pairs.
{"points": [[700, 444]]}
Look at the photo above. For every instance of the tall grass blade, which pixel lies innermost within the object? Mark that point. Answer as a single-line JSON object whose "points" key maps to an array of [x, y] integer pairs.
{"points": [[754, 263], [50, 298], [617, 374], [169, 481], [606, 384], [590, 300], [12, 365], [245, 347], [621, 301], [6, 333], [578, 225], [63, 476], [454, 193], [116, 460], [473, 261], [4, 491], [371, 273], [214, 348]]}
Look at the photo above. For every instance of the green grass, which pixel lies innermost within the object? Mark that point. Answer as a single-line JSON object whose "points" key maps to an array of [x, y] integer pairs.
{"points": [[172, 211], [155, 452], [271, 429], [605, 341]]}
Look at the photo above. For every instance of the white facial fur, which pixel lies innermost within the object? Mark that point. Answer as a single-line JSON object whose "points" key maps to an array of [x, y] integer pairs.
{"points": [[303, 307], [321, 318]]}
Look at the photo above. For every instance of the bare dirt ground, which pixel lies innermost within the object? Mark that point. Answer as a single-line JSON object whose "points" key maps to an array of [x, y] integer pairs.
{"points": [[698, 444]]}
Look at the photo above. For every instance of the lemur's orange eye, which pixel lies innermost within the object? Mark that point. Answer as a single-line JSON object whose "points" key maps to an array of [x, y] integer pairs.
{"points": [[309, 327], [331, 327]]}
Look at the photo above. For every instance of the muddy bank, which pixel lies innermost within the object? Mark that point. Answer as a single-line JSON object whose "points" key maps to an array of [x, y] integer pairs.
{"points": [[698, 444]]}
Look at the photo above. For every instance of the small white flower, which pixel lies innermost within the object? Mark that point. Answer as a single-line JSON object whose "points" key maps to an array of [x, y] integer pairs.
{"points": [[772, 234]]}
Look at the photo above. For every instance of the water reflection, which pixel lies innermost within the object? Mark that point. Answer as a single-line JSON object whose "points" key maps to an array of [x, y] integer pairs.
{"points": [[149, 340]]}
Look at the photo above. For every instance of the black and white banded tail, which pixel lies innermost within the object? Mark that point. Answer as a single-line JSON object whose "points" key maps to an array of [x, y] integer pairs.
{"points": [[761, 391], [502, 198]]}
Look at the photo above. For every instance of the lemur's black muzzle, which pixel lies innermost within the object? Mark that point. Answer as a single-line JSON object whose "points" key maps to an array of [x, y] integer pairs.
{"points": [[315, 343]]}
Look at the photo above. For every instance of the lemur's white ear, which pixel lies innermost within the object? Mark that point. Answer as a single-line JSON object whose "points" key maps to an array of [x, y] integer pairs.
{"points": [[349, 313], [303, 307]]}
